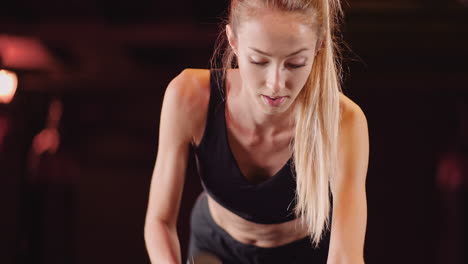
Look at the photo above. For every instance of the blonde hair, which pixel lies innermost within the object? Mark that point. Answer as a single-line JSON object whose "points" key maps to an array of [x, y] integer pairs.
{"points": [[318, 115]]}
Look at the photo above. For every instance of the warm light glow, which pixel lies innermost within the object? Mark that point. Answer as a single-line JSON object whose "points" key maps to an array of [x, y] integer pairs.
{"points": [[8, 84]]}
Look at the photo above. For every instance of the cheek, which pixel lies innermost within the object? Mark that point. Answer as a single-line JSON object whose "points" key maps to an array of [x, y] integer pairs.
{"points": [[302, 79], [297, 81], [251, 74], [246, 66]]}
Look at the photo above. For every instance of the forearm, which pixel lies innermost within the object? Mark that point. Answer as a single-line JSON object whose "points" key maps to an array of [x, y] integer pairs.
{"points": [[342, 259], [162, 243]]}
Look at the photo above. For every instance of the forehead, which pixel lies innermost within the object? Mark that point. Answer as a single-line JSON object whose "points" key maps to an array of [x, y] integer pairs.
{"points": [[276, 31]]}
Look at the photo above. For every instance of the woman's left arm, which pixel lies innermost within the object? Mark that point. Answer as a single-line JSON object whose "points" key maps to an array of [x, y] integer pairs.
{"points": [[349, 219]]}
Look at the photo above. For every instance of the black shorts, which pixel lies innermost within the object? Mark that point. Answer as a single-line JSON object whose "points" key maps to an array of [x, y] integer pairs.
{"points": [[208, 237]]}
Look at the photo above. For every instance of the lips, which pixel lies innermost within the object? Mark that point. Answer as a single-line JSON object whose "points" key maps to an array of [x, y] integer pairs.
{"points": [[274, 97], [274, 101]]}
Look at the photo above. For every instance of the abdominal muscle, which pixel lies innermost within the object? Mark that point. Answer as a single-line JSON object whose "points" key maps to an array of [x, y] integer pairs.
{"points": [[260, 235]]}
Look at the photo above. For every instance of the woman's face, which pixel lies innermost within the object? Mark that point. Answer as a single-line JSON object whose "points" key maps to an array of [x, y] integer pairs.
{"points": [[275, 53]]}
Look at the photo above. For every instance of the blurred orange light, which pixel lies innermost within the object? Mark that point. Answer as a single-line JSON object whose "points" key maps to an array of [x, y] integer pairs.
{"points": [[8, 84]]}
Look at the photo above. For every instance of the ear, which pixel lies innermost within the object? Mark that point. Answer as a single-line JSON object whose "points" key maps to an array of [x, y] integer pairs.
{"points": [[320, 43], [231, 38]]}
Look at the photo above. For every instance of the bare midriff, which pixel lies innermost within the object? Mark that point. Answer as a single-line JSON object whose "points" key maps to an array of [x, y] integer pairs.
{"points": [[260, 235]]}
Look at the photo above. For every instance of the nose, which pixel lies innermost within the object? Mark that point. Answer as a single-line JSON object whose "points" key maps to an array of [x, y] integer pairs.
{"points": [[275, 81]]}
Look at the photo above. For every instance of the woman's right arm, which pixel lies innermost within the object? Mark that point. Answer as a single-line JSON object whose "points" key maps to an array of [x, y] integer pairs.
{"points": [[176, 127]]}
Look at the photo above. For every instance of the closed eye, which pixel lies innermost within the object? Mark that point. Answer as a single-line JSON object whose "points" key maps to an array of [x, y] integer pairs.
{"points": [[295, 66], [258, 63]]}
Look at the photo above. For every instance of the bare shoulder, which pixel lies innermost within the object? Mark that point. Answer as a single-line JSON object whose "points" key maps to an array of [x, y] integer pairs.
{"points": [[354, 131], [351, 113], [191, 85], [353, 142], [189, 94]]}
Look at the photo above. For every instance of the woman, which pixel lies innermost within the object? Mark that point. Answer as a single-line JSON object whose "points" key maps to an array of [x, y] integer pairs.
{"points": [[274, 140]]}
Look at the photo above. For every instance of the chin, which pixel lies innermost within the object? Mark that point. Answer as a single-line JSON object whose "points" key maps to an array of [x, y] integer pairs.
{"points": [[274, 110]]}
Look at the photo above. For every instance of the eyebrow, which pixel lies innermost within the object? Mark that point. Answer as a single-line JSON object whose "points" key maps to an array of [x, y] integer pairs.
{"points": [[267, 54]]}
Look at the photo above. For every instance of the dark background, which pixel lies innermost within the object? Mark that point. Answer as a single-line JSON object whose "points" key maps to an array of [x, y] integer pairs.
{"points": [[407, 70]]}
